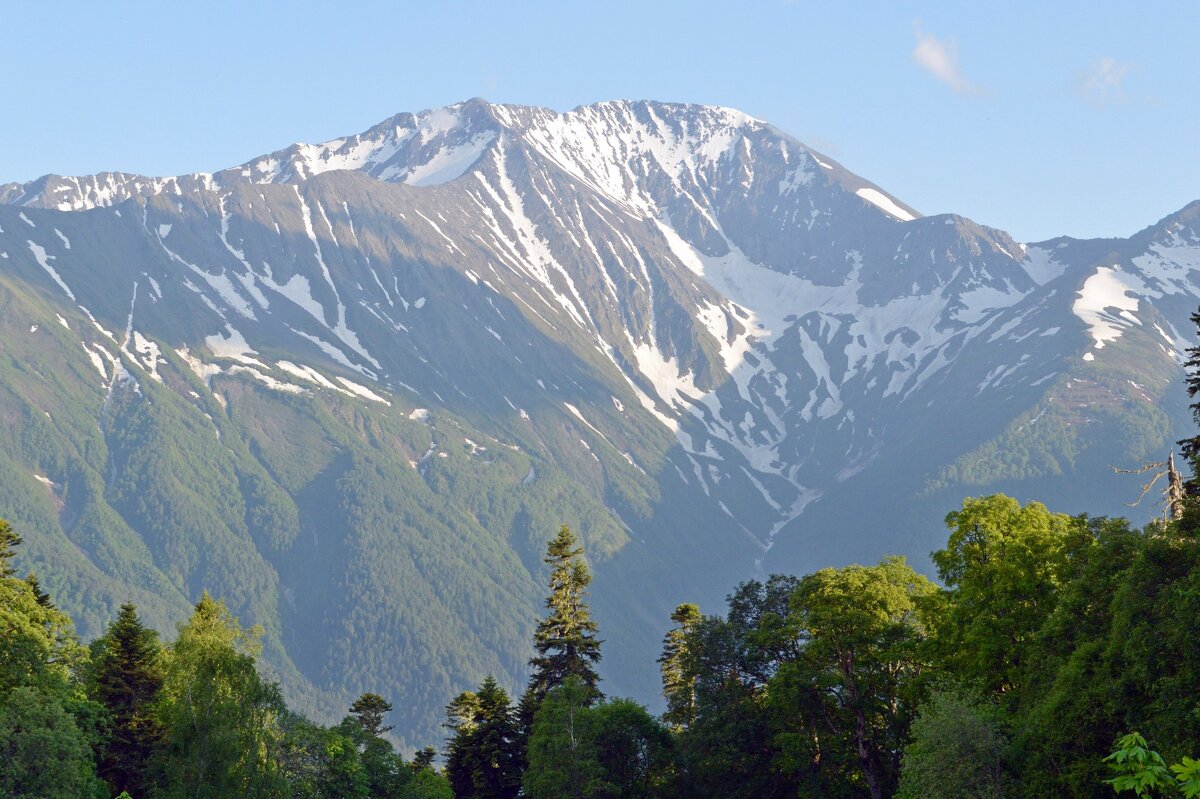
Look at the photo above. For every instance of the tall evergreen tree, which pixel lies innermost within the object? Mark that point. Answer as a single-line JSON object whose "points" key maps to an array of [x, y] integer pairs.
{"points": [[126, 680], [565, 640]]}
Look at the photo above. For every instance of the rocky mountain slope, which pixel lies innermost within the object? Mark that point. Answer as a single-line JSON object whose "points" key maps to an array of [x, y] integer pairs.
{"points": [[353, 387]]}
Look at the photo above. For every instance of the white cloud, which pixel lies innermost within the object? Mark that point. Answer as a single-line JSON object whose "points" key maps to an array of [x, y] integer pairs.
{"points": [[939, 58], [1103, 83]]}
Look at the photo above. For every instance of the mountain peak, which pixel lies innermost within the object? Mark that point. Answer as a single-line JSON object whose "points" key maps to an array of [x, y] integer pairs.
{"points": [[615, 145]]}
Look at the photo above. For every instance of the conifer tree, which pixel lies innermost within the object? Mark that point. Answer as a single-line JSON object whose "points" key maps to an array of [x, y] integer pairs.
{"points": [[41, 596], [678, 680], [565, 640], [483, 760], [9, 541], [126, 679], [423, 758], [368, 710]]}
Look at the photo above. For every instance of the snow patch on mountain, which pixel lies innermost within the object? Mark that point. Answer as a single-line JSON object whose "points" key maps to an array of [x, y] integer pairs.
{"points": [[1108, 288], [882, 201]]}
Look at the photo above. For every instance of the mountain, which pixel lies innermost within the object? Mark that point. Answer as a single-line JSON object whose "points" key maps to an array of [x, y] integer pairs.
{"points": [[354, 387]]}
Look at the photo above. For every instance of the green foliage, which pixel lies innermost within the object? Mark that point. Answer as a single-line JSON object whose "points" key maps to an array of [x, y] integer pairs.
{"points": [[220, 717], [9, 541], [1187, 775], [634, 750], [483, 759], [1137, 767], [1003, 565], [429, 784], [47, 727], [125, 679], [728, 748], [44, 754], [369, 710], [860, 664], [957, 749], [565, 639], [563, 762], [318, 763], [675, 667], [40, 649]]}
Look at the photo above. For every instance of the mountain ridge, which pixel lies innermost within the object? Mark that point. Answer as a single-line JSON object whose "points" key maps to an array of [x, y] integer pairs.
{"points": [[672, 326]]}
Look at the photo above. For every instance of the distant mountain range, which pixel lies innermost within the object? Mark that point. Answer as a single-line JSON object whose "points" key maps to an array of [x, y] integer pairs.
{"points": [[354, 387]]}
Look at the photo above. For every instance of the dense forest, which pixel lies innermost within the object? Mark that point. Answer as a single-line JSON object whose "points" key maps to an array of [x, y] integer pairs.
{"points": [[1059, 656]]}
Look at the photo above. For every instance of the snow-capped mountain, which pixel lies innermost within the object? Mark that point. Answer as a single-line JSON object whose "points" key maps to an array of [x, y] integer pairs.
{"points": [[713, 348]]}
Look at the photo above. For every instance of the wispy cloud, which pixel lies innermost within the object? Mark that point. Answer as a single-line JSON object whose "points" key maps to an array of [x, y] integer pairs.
{"points": [[939, 57], [1103, 83]]}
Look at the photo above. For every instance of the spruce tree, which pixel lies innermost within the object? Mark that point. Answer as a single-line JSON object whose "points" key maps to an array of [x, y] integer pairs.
{"points": [[127, 679], [565, 640]]}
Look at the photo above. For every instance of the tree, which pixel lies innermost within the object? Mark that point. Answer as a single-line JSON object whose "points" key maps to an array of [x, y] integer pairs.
{"points": [[729, 748], [633, 750], [957, 750], [1191, 446], [563, 761], [1138, 768], [423, 758], [38, 647], [44, 754], [859, 670], [9, 541], [614, 749], [220, 717], [126, 679], [317, 763], [565, 640], [369, 710], [386, 775], [41, 596], [483, 758], [677, 667], [1003, 565], [47, 727], [428, 784]]}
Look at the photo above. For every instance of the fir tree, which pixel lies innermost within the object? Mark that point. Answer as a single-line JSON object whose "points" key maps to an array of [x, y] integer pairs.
{"points": [[368, 710], [565, 640], [127, 679], [483, 760]]}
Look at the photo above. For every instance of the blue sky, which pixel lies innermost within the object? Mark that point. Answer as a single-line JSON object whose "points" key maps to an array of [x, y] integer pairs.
{"points": [[1040, 118]]}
